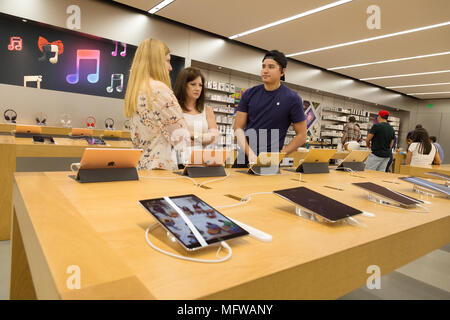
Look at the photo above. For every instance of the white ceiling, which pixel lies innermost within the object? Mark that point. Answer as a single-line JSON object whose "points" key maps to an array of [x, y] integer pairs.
{"points": [[337, 25]]}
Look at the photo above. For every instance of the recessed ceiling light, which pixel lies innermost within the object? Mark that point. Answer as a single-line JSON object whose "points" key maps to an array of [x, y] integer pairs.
{"points": [[424, 93], [24, 20], [391, 60], [405, 75], [160, 5], [371, 39], [298, 16], [419, 85]]}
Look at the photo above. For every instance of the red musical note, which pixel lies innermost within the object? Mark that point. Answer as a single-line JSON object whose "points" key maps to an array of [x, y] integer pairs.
{"points": [[42, 42], [15, 44]]}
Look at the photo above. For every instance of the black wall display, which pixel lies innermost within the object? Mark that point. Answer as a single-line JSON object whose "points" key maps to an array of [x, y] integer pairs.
{"points": [[37, 55]]}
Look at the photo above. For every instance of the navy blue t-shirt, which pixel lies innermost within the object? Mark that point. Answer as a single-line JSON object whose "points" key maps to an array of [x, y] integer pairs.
{"points": [[269, 110]]}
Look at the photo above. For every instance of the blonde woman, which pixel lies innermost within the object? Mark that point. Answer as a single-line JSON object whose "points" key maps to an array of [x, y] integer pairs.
{"points": [[156, 119]]}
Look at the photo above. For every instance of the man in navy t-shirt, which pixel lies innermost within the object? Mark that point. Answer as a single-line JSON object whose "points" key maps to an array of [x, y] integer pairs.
{"points": [[266, 111]]}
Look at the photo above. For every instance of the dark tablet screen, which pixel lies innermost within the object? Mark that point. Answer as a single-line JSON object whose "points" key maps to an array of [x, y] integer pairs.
{"points": [[318, 203], [385, 192]]}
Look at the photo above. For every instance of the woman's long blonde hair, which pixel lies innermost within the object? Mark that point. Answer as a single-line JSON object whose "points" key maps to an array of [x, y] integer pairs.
{"points": [[148, 62]]}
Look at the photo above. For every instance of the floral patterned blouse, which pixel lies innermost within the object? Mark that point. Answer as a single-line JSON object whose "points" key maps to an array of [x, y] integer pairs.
{"points": [[153, 126]]}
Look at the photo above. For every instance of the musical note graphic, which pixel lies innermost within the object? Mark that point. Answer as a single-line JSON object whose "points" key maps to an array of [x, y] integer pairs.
{"points": [[47, 48], [15, 44], [85, 55], [37, 79], [116, 77], [123, 53]]}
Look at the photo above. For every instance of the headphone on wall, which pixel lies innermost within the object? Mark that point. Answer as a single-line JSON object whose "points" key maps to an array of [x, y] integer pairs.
{"points": [[10, 115], [126, 124], [109, 123], [90, 122], [66, 121], [41, 119]]}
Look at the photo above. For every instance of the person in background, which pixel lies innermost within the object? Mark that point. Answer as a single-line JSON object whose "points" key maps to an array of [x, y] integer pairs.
{"points": [[439, 148], [266, 111], [200, 118], [391, 157], [421, 151], [156, 119], [409, 135], [381, 140], [351, 132]]}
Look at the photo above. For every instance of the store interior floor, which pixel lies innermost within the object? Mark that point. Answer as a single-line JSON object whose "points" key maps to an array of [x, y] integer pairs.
{"points": [[425, 278]]}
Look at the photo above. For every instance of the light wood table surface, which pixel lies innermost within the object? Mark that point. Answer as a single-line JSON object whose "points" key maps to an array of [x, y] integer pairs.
{"points": [[420, 171], [100, 227], [12, 148]]}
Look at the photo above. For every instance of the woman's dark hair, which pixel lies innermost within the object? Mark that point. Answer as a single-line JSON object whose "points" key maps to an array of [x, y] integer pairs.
{"points": [[420, 135], [433, 138], [352, 119], [184, 77]]}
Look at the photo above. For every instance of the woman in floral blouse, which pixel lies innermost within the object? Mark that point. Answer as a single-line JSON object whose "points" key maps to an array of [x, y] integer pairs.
{"points": [[156, 119]]}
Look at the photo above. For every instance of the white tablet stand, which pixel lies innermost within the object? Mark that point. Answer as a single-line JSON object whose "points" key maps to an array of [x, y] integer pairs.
{"points": [[425, 191], [314, 217], [377, 199]]}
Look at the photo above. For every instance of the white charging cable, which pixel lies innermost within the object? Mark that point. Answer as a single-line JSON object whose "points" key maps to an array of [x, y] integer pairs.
{"points": [[223, 244], [228, 174], [171, 178], [245, 199]]}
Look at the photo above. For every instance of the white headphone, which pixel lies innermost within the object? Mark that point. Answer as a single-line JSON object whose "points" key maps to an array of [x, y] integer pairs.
{"points": [[66, 121]]}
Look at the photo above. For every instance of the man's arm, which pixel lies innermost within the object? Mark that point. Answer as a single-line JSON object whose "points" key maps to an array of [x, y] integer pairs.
{"points": [[240, 122], [369, 139], [299, 139]]}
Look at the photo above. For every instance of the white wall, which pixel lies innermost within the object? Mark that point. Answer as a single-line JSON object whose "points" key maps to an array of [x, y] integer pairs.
{"points": [[118, 23]]}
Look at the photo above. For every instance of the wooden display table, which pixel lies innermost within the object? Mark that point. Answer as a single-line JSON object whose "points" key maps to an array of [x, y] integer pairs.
{"points": [[420, 171], [61, 225], [12, 148]]}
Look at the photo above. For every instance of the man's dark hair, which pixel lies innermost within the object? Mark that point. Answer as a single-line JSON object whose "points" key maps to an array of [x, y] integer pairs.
{"points": [[433, 138], [419, 126], [279, 57], [351, 119]]}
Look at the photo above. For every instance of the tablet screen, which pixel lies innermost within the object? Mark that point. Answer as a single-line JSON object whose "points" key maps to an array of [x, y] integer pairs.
{"points": [[385, 192], [317, 203], [440, 175], [427, 184], [212, 225]]}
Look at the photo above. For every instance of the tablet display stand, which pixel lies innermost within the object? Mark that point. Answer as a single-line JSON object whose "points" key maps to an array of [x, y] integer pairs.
{"points": [[377, 199], [203, 172], [264, 171], [427, 192], [355, 166], [106, 175], [313, 167], [316, 218]]}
